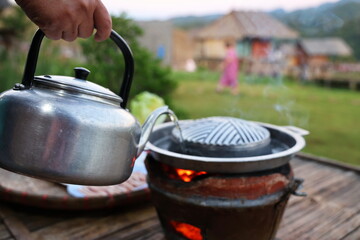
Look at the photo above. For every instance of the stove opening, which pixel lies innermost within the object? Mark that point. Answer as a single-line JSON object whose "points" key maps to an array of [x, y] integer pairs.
{"points": [[188, 231], [188, 175], [184, 175]]}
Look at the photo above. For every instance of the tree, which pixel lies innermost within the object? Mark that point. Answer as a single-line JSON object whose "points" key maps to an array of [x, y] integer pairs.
{"points": [[351, 34], [107, 61], [14, 29], [104, 59]]}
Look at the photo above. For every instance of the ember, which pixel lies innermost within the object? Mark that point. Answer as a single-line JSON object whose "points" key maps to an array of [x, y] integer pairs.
{"points": [[188, 175], [224, 188], [217, 205], [189, 231], [184, 175]]}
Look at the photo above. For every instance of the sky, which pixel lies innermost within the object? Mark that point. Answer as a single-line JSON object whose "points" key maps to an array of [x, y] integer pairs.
{"points": [[164, 9]]}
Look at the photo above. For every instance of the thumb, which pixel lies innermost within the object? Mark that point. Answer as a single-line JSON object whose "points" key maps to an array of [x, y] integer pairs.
{"points": [[102, 22]]}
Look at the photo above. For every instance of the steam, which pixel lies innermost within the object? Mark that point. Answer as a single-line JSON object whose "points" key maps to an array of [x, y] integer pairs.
{"points": [[284, 111], [286, 106], [271, 93], [288, 109]]}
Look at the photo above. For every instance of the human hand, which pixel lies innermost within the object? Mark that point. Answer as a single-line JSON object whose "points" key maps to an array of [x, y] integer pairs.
{"points": [[69, 19]]}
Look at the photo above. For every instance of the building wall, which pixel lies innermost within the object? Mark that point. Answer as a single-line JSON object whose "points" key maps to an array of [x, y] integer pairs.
{"points": [[210, 48], [318, 60], [210, 53], [243, 48], [260, 48], [183, 49], [215, 48], [158, 38]]}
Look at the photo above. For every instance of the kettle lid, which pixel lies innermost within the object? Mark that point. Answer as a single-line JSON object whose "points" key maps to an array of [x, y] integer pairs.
{"points": [[77, 84]]}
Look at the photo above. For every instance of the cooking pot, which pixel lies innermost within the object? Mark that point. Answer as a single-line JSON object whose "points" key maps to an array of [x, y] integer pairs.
{"points": [[225, 145], [70, 130]]}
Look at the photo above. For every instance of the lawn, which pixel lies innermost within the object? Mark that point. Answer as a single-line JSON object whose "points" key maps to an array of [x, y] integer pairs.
{"points": [[331, 115]]}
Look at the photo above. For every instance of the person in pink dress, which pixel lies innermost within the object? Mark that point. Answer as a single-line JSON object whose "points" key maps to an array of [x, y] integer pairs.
{"points": [[229, 76]]}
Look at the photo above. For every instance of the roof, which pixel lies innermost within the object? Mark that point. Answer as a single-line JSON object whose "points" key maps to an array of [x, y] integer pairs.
{"points": [[241, 24], [326, 46]]}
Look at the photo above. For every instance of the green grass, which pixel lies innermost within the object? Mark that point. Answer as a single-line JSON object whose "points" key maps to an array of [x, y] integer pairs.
{"points": [[331, 115]]}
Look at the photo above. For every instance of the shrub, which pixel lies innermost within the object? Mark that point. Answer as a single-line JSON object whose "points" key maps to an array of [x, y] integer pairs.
{"points": [[107, 60]]}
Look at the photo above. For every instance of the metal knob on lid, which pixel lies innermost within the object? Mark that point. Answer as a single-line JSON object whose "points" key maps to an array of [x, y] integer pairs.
{"points": [[223, 137], [81, 73]]}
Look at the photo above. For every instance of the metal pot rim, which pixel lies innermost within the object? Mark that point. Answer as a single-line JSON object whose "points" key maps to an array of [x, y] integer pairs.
{"points": [[227, 164]]}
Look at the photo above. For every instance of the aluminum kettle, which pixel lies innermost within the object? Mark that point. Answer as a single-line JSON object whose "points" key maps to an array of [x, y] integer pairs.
{"points": [[66, 129]]}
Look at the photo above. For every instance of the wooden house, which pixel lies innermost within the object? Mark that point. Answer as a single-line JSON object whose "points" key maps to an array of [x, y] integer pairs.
{"points": [[318, 51], [314, 55], [256, 35], [173, 46]]}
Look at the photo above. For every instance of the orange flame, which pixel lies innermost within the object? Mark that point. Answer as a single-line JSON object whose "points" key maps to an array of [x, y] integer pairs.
{"points": [[188, 175], [189, 231]]}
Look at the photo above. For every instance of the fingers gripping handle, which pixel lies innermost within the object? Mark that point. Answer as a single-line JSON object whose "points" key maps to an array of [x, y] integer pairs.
{"points": [[33, 55]]}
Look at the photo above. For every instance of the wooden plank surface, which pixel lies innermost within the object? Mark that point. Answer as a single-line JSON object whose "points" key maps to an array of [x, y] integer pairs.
{"points": [[331, 211], [332, 208], [35, 192], [4, 232]]}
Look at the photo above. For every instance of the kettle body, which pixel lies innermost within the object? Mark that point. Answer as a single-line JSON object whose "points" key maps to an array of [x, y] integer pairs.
{"points": [[51, 136], [69, 130]]}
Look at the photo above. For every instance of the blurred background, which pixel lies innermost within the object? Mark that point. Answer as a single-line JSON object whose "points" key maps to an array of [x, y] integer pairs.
{"points": [[298, 62]]}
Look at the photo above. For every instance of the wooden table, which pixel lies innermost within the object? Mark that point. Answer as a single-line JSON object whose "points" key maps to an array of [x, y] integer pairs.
{"points": [[330, 211]]}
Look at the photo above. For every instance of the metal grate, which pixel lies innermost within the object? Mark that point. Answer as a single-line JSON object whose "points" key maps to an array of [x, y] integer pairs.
{"points": [[222, 131]]}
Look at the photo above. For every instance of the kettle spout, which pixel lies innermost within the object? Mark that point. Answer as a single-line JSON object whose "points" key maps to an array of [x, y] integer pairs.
{"points": [[149, 125]]}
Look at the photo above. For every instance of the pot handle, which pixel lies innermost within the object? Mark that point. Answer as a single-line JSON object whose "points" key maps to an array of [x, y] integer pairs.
{"points": [[296, 130], [33, 55], [296, 186]]}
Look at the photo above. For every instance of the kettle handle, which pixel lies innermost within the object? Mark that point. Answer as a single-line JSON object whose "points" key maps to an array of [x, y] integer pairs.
{"points": [[33, 55]]}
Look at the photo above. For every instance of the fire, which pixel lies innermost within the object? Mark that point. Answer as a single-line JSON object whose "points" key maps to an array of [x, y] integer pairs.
{"points": [[189, 231], [188, 175], [184, 175]]}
